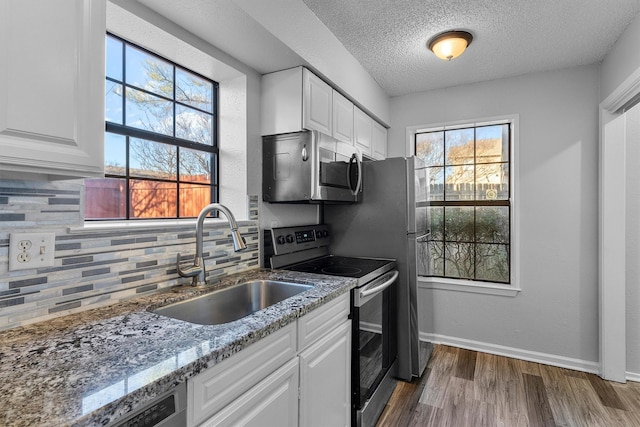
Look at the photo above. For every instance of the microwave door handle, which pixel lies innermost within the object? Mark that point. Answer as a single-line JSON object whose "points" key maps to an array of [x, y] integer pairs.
{"points": [[358, 162], [381, 287]]}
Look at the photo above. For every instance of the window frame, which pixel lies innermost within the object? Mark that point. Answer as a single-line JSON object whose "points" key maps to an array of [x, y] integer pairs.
{"points": [[471, 285], [180, 143]]}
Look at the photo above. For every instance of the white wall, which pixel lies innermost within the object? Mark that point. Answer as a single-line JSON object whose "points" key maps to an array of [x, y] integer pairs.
{"points": [[555, 317]]}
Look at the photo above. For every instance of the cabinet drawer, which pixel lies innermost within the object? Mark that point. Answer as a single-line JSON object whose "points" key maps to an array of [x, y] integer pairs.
{"points": [[322, 320], [216, 387], [271, 403]]}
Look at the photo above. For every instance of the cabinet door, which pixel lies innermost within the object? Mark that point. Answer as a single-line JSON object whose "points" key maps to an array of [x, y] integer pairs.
{"points": [[52, 86], [325, 380], [362, 127], [273, 402], [317, 103], [379, 141], [342, 118]]}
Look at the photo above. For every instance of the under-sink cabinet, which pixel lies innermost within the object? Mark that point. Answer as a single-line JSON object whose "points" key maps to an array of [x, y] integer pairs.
{"points": [[52, 86], [299, 375]]}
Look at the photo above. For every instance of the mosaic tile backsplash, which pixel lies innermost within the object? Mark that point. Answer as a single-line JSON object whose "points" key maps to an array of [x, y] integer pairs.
{"points": [[98, 268]]}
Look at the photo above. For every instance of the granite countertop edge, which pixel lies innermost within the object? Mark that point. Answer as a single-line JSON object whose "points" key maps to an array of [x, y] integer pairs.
{"points": [[50, 368]]}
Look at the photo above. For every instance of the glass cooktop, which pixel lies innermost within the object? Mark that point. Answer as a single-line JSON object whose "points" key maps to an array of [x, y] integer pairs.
{"points": [[335, 265]]}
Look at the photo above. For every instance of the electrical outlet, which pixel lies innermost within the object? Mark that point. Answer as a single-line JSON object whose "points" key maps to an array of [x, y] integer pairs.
{"points": [[31, 250]]}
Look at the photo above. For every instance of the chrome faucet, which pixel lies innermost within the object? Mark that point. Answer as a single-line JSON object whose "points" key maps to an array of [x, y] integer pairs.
{"points": [[197, 270]]}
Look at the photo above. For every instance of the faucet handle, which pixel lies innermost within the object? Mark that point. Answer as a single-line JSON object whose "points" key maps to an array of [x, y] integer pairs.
{"points": [[191, 271]]}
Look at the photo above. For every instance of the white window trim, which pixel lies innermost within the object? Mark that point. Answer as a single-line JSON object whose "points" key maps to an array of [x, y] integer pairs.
{"points": [[475, 286]]}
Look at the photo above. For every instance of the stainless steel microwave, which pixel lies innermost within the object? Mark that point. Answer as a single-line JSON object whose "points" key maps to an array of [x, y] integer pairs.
{"points": [[310, 167]]}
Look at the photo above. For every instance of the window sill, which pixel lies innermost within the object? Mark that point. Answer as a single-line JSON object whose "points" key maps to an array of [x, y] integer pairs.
{"points": [[467, 286], [174, 224]]}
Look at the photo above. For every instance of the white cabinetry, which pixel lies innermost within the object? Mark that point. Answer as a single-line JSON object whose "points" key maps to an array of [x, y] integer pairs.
{"points": [[342, 118], [299, 375], [362, 125], [369, 135], [379, 141], [52, 86], [325, 372], [271, 403], [293, 100]]}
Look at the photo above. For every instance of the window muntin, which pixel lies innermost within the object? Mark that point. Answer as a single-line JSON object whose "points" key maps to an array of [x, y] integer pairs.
{"points": [[161, 154], [469, 201]]}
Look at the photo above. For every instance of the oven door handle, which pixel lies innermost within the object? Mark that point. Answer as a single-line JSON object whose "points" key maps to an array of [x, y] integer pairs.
{"points": [[367, 292]]}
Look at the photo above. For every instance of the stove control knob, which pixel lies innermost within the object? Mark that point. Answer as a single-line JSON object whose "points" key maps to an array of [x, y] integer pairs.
{"points": [[325, 233], [280, 240], [318, 234], [289, 238]]}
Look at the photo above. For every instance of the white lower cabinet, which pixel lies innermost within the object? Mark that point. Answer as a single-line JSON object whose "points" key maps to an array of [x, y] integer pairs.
{"points": [[325, 380], [298, 376], [271, 403]]}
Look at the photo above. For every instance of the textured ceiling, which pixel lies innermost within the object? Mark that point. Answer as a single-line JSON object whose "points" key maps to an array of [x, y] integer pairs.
{"points": [[388, 37], [511, 37]]}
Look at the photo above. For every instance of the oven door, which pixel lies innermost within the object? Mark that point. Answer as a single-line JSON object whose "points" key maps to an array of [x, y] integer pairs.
{"points": [[374, 347]]}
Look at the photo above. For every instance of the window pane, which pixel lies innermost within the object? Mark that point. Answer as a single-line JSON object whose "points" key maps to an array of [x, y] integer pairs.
{"points": [[459, 147], [492, 224], [193, 125], [149, 112], [458, 224], [114, 58], [459, 260], [492, 144], [195, 166], [459, 182], [115, 154], [113, 102], [194, 91], [436, 222], [492, 263], [152, 159], [152, 199], [149, 72], [492, 181], [105, 198], [436, 183], [430, 148], [193, 198], [436, 263]]}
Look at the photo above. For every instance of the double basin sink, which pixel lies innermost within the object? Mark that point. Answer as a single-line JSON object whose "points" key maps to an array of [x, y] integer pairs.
{"points": [[232, 303]]}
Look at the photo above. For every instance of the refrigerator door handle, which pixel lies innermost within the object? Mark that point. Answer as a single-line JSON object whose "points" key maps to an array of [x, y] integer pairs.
{"points": [[423, 238]]}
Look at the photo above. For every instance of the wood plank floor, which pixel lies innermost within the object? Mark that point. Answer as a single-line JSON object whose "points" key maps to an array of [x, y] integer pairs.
{"points": [[466, 388]]}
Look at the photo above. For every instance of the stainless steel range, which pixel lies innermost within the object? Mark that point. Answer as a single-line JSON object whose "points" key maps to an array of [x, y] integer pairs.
{"points": [[373, 309]]}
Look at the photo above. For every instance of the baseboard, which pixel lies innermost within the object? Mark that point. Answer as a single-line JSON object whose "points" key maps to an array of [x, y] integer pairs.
{"points": [[633, 376], [371, 327], [516, 353]]}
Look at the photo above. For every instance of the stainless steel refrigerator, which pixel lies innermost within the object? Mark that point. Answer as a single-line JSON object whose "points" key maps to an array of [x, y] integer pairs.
{"points": [[390, 222]]}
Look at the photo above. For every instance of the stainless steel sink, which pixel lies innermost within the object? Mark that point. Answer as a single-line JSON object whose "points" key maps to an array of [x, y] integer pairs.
{"points": [[233, 303]]}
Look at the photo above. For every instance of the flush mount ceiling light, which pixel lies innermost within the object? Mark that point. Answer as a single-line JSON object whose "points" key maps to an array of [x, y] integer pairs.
{"points": [[450, 44]]}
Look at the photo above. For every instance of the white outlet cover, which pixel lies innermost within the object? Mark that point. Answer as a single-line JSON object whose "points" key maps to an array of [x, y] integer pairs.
{"points": [[39, 254]]}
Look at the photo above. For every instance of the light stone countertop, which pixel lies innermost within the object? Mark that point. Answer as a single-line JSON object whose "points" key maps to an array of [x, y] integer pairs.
{"points": [[91, 368]]}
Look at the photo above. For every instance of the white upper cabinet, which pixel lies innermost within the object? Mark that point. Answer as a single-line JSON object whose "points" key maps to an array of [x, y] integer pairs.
{"points": [[317, 100], [342, 118], [52, 88], [293, 100], [369, 136], [379, 141], [362, 125]]}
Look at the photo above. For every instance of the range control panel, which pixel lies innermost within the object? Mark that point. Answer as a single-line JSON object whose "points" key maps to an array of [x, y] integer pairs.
{"points": [[293, 239]]}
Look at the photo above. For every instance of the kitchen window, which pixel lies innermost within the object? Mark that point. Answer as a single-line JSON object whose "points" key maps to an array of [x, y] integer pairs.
{"points": [[160, 145], [470, 201]]}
